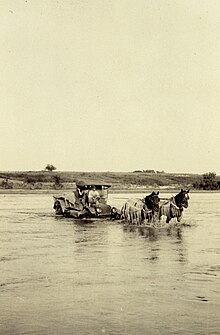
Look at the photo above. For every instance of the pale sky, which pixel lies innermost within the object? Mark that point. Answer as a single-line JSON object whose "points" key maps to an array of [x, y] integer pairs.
{"points": [[110, 85]]}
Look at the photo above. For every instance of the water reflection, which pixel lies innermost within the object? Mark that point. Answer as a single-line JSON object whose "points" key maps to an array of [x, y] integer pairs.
{"points": [[155, 232], [172, 235]]}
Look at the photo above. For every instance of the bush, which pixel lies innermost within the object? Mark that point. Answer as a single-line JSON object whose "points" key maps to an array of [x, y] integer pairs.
{"points": [[57, 183], [7, 184]]}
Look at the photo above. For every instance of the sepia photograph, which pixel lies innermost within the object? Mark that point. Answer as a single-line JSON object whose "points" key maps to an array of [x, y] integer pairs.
{"points": [[110, 167]]}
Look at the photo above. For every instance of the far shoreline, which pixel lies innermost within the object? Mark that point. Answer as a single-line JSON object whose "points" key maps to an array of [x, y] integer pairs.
{"points": [[111, 191]]}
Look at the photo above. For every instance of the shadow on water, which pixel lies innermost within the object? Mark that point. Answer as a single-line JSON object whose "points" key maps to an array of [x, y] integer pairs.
{"points": [[80, 222]]}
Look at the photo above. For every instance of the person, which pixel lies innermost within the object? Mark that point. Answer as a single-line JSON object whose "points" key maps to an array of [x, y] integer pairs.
{"points": [[93, 196], [85, 192]]}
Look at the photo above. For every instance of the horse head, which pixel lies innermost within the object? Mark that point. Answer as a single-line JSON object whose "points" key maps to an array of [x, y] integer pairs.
{"points": [[152, 201], [182, 198]]}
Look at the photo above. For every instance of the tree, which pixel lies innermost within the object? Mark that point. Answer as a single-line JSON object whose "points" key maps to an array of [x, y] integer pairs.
{"points": [[50, 167], [209, 181]]}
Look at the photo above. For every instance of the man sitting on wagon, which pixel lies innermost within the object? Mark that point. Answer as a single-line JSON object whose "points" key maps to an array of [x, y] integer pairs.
{"points": [[93, 197]]}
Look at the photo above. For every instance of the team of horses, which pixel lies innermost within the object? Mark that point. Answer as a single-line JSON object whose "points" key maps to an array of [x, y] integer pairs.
{"points": [[150, 209]]}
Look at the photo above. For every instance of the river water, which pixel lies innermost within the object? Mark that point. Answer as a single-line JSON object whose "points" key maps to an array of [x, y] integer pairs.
{"points": [[60, 276]]}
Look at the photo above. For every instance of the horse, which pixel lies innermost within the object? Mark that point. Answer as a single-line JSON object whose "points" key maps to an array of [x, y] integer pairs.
{"points": [[182, 198], [131, 211], [136, 211], [152, 203], [173, 208]]}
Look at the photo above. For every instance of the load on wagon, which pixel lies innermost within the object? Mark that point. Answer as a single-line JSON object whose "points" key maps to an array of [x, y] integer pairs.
{"points": [[87, 200]]}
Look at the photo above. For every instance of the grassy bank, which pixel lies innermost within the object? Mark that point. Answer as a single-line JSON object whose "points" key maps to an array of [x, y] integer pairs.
{"points": [[130, 181]]}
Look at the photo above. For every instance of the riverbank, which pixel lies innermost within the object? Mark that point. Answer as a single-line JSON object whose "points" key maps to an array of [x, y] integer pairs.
{"points": [[118, 180], [43, 182], [111, 191]]}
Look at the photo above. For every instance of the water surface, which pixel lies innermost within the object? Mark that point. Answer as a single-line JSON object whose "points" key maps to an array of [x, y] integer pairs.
{"points": [[60, 276]]}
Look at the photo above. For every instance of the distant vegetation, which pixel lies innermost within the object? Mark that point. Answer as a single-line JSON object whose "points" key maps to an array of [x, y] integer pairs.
{"points": [[118, 180], [57, 182], [6, 184], [147, 171], [208, 181]]}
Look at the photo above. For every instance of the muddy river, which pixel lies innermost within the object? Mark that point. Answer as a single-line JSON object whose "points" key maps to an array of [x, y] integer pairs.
{"points": [[60, 276]]}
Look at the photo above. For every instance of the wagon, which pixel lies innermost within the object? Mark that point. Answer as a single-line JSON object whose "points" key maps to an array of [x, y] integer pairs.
{"points": [[76, 204]]}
